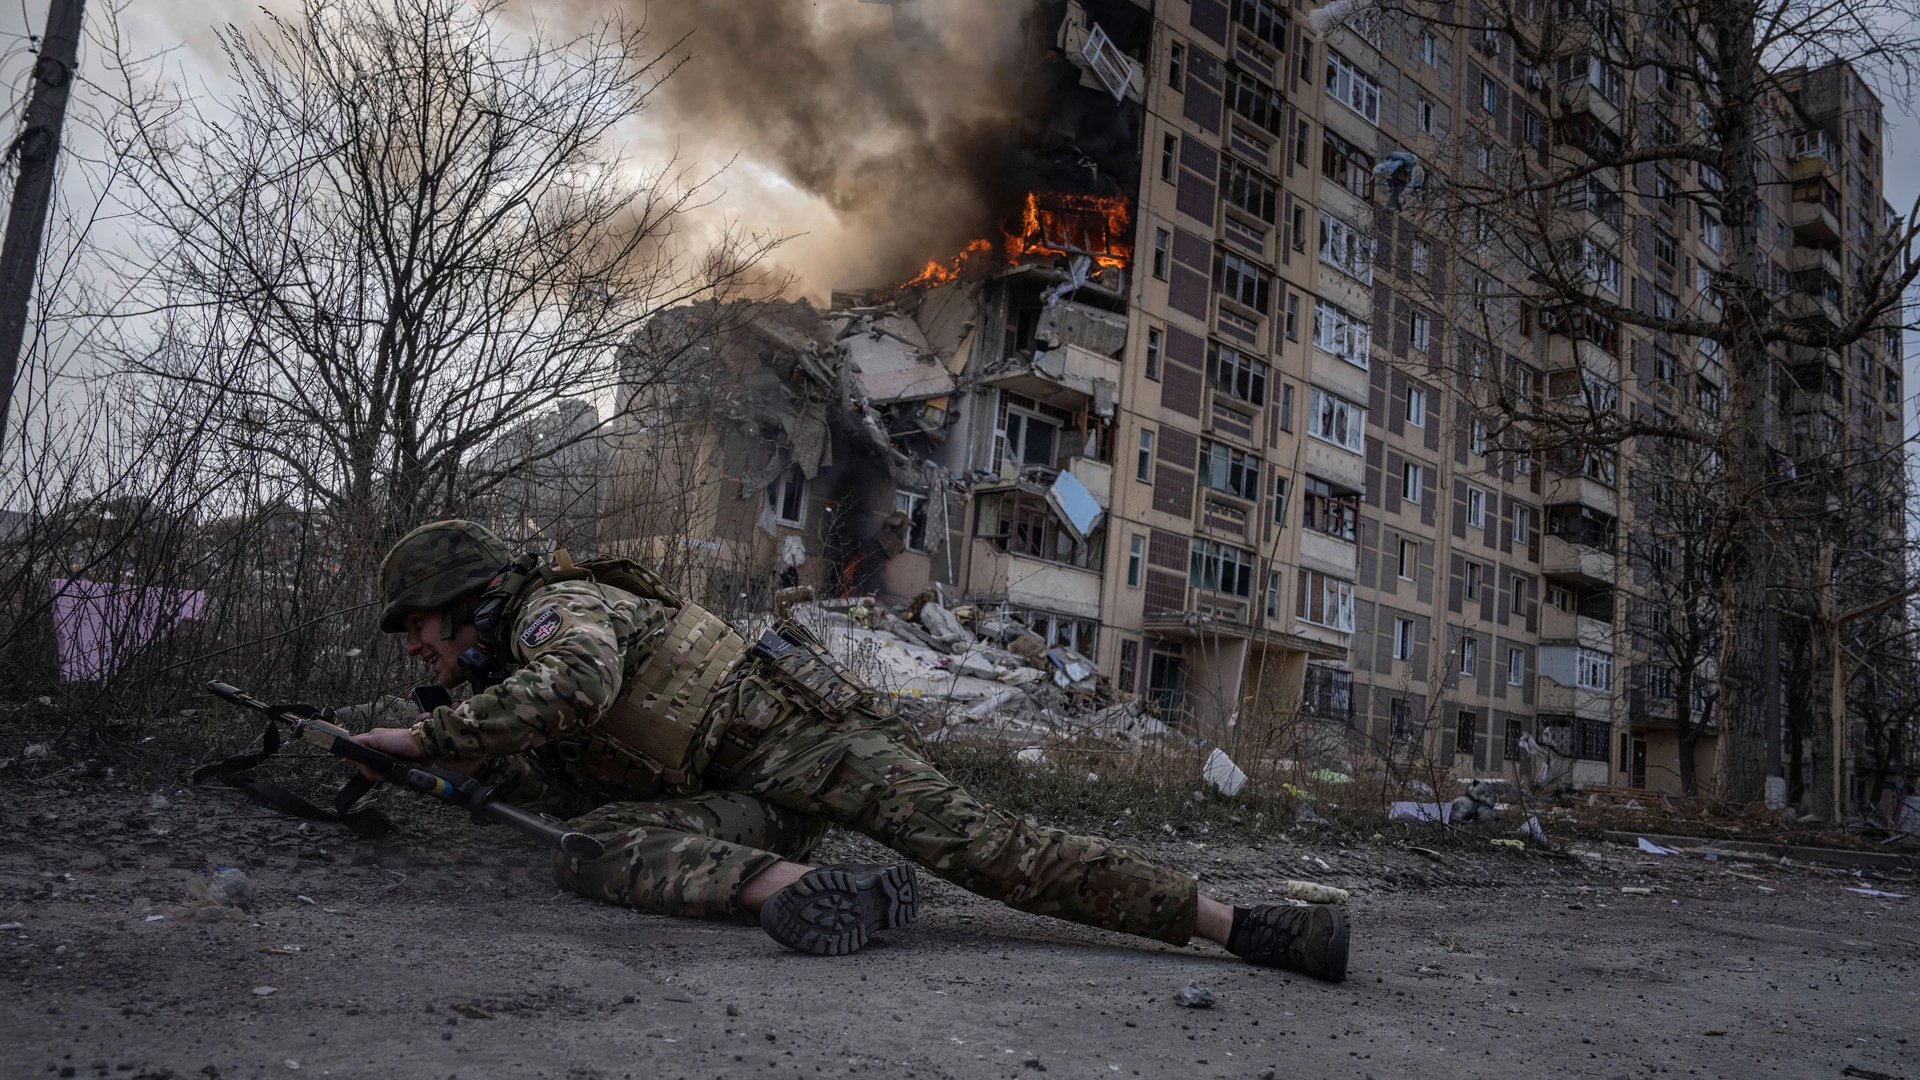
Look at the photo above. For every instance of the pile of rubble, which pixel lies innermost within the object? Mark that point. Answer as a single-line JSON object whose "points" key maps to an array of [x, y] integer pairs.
{"points": [[952, 667]]}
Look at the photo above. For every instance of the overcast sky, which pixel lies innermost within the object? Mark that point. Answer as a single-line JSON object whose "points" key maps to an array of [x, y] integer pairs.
{"points": [[177, 32]]}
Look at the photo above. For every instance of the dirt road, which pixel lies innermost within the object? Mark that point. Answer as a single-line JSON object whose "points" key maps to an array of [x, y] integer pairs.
{"points": [[447, 953]]}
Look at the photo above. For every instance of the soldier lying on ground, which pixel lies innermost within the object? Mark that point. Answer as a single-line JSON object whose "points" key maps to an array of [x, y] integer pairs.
{"points": [[711, 768]]}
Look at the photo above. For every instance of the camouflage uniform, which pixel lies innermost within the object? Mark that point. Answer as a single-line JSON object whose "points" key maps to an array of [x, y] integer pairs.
{"points": [[795, 765]]}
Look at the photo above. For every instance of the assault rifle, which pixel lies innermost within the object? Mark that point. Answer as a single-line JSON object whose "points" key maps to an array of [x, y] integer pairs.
{"points": [[308, 723]]}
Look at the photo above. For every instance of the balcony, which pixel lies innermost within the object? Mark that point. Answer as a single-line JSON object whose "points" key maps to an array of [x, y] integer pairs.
{"points": [[1027, 581], [1586, 99], [1570, 627], [1813, 307], [1567, 353], [1096, 476], [1802, 259], [1328, 554], [1070, 377], [1813, 223], [1579, 701], [1560, 557]]}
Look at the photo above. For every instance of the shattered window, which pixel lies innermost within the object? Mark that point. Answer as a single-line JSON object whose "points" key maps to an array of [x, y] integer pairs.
{"points": [[1352, 87], [1328, 510], [1325, 601], [1344, 163], [1237, 375], [1029, 439], [1336, 420], [1224, 468], [1264, 19], [914, 505], [787, 496], [1241, 281], [1346, 248], [1255, 100], [1244, 187], [1220, 568]]}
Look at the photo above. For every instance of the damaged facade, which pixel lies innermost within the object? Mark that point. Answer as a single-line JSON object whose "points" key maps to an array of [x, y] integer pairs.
{"points": [[1171, 421]]}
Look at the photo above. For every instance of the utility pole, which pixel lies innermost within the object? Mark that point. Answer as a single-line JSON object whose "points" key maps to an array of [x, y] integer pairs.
{"points": [[38, 145]]}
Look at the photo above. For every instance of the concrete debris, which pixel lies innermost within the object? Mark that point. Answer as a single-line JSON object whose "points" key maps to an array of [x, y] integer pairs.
{"points": [[1194, 996], [1313, 892], [230, 888], [1223, 774], [943, 627]]}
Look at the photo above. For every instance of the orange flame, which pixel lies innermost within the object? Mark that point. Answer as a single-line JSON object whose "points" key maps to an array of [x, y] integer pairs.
{"points": [[937, 274], [1097, 226]]}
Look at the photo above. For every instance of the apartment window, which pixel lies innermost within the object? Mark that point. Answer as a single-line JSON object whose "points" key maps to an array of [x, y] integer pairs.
{"points": [[1412, 478], [1581, 69], [1255, 100], [1352, 88], [1169, 153], [1220, 568], [1520, 596], [1300, 143], [1665, 304], [1136, 555], [1293, 317], [1300, 221], [1464, 732], [1224, 468], [1532, 130], [1477, 438], [1559, 599], [1155, 341], [1286, 408], [1268, 22], [1323, 510], [1428, 49], [1665, 364], [1420, 259], [1711, 234], [1245, 188], [1599, 265], [787, 496], [1471, 582], [1420, 331], [1403, 639], [1237, 375], [1177, 66], [1280, 501], [1416, 406], [1336, 420], [1241, 281], [1514, 731], [1489, 95], [1345, 164], [1338, 331], [1306, 61], [1426, 116], [1469, 655], [1346, 248], [1273, 595], [1659, 682], [1409, 559], [1162, 242], [1663, 188], [1399, 720], [1324, 601], [1516, 667], [1143, 465], [1593, 670], [1129, 664], [1663, 247], [1476, 508], [1029, 439], [1522, 528], [914, 505]]}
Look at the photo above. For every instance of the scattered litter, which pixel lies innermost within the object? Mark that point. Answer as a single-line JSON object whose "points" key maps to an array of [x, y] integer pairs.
{"points": [[1428, 852], [265, 991], [158, 802], [1419, 811], [1514, 844], [1032, 755], [1636, 890], [35, 752], [471, 1011], [1223, 774], [1652, 848], [292, 1064], [1304, 815], [150, 918], [1194, 996], [280, 950], [13, 926], [1877, 892], [1764, 888], [1533, 831], [1329, 776]]}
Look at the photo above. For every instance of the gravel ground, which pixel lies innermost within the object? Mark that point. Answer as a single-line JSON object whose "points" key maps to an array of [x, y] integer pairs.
{"points": [[446, 953]]}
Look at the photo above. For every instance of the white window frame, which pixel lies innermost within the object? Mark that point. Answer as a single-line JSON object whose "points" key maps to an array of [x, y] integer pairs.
{"points": [[1472, 578], [1593, 670], [1136, 560], [1416, 406], [1412, 478], [1420, 260], [1339, 332], [1143, 463], [905, 502], [1346, 248], [1522, 524], [1407, 568], [1477, 438], [794, 480], [1516, 667], [1402, 639], [1476, 507], [1334, 419], [1336, 599], [1469, 655], [1353, 88], [1420, 331]]}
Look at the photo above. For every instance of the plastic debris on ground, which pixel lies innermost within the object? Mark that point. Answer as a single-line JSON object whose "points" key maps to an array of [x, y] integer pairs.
{"points": [[1877, 892], [1223, 774], [1652, 848]]}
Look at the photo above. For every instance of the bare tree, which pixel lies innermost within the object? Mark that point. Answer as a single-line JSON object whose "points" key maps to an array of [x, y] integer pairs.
{"points": [[400, 234]]}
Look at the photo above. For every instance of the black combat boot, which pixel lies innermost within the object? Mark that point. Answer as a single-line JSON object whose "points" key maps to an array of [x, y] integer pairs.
{"points": [[1310, 939], [833, 910]]}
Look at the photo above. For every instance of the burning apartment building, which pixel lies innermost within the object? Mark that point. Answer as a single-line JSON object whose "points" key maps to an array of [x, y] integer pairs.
{"points": [[1179, 409]]}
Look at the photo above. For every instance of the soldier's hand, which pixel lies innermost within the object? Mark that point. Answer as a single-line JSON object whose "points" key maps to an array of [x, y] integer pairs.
{"points": [[398, 742]]}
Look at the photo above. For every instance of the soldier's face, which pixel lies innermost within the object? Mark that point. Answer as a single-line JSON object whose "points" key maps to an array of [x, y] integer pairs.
{"points": [[442, 654]]}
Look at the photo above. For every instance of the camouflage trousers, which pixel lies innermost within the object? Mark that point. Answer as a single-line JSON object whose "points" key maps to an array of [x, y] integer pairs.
{"points": [[692, 856]]}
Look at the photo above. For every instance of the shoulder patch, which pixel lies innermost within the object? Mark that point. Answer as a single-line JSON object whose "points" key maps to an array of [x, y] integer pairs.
{"points": [[542, 629]]}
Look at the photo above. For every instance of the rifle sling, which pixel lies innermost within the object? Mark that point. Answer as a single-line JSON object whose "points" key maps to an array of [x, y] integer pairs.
{"points": [[236, 772]]}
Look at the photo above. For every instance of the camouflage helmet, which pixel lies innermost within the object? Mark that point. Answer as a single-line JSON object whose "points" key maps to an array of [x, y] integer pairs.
{"points": [[435, 565]]}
